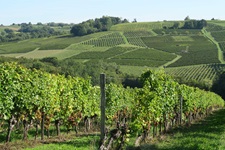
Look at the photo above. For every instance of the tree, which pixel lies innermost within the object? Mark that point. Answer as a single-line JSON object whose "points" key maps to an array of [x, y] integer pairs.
{"points": [[98, 24], [116, 20], [106, 22], [135, 20], [78, 30], [201, 24], [176, 25], [219, 85], [39, 24], [195, 24], [125, 21], [8, 31], [187, 18]]}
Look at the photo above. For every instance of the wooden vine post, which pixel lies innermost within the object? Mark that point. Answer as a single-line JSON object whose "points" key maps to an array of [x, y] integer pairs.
{"points": [[181, 109], [103, 104]]}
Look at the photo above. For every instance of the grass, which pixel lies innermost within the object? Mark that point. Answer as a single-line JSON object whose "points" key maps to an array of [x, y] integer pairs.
{"points": [[71, 141], [133, 70], [38, 54], [207, 134], [19, 47], [83, 142]]}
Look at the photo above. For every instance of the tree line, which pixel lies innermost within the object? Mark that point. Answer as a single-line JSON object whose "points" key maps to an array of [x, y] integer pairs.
{"points": [[189, 24], [99, 24], [28, 31]]}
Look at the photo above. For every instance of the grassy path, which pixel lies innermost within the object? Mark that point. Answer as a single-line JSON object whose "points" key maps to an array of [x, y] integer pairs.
{"points": [[220, 52], [208, 134], [170, 62]]}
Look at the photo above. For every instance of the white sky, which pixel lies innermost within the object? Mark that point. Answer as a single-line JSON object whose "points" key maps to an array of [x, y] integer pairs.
{"points": [[76, 11]]}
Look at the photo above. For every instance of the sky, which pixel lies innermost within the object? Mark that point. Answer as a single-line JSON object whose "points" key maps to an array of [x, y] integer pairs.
{"points": [[76, 11]]}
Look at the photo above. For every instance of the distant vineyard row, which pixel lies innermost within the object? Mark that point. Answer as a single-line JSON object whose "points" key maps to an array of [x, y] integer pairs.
{"points": [[109, 40], [198, 72]]}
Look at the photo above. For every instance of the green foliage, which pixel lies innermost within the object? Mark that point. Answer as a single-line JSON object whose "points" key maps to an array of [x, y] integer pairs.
{"points": [[219, 86], [159, 97], [27, 31], [194, 24], [92, 26], [25, 94]]}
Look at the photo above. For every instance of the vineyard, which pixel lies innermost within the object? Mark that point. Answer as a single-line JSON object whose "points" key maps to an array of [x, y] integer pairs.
{"points": [[31, 98], [197, 72], [222, 46], [214, 27], [144, 53], [198, 49], [129, 56], [134, 27], [109, 40], [104, 55], [178, 31], [134, 37], [219, 36]]}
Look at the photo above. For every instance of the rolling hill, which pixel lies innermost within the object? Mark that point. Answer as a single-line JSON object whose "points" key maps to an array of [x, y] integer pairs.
{"points": [[189, 53]]}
